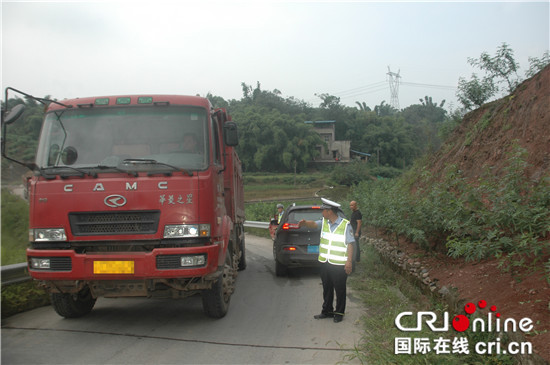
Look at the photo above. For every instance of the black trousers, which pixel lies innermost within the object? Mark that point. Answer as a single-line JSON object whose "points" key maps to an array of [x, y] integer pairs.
{"points": [[334, 279]]}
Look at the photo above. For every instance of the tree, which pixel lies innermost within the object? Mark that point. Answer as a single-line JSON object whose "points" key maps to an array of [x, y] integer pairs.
{"points": [[23, 135], [272, 139], [247, 90], [537, 64], [329, 101], [217, 101], [425, 121], [476, 92], [384, 109], [427, 101], [363, 106], [501, 68]]}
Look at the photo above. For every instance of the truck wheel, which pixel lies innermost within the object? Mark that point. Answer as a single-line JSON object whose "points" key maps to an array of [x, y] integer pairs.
{"points": [[280, 269], [242, 261], [215, 301], [73, 305]]}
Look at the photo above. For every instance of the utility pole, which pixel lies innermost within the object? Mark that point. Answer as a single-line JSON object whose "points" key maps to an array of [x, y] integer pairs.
{"points": [[394, 87]]}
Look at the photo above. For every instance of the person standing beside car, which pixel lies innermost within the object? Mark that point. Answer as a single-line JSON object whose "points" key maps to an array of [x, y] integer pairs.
{"points": [[336, 257], [280, 212], [356, 221]]}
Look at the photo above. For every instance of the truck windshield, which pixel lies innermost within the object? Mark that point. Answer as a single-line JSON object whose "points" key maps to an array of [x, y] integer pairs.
{"points": [[158, 136]]}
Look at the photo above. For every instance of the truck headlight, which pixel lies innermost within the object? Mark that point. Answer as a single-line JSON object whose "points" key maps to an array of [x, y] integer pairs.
{"points": [[192, 260], [186, 230], [39, 263], [47, 234]]}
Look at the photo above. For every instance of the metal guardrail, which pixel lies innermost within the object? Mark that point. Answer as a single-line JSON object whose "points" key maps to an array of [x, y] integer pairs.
{"points": [[18, 273], [253, 224]]}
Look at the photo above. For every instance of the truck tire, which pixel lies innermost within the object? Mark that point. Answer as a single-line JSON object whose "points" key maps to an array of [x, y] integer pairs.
{"points": [[280, 269], [242, 261], [215, 301], [73, 305]]}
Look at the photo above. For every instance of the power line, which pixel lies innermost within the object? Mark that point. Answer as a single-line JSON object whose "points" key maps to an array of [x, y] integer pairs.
{"points": [[381, 88], [393, 85], [360, 90], [416, 84]]}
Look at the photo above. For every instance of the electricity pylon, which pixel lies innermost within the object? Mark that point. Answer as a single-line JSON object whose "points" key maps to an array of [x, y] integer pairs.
{"points": [[394, 87]]}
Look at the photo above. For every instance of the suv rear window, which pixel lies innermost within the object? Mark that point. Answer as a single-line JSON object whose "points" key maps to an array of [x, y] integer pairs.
{"points": [[309, 215]]}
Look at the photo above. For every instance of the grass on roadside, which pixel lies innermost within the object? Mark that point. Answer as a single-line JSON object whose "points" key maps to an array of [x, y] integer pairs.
{"points": [[21, 297], [15, 228], [385, 294]]}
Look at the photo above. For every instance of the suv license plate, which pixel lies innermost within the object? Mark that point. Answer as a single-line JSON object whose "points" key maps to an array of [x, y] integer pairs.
{"points": [[313, 249], [113, 267]]}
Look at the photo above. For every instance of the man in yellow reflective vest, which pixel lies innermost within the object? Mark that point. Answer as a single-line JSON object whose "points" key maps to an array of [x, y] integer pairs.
{"points": [[336, 257], [280, 212]]}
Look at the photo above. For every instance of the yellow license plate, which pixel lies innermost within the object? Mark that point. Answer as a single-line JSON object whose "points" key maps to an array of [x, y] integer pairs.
{"points": [[113, 267]]}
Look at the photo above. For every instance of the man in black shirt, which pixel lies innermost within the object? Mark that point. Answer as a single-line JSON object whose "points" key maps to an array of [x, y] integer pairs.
{"points": [[356, 221]]}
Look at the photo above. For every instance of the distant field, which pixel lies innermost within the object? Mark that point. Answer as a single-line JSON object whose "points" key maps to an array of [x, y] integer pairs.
{"points": [[263, 193], [277, 192], [269, 187]]}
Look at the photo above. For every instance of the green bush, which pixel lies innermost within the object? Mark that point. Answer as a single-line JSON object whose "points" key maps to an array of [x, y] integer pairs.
{"points": [[350, 174], [15, 228], [261, 212], [386, 172], [21, 297]]}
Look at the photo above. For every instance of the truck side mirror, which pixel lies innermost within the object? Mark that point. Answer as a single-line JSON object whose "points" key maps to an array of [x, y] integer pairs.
{"points": [[14, 114], [230, 135]]}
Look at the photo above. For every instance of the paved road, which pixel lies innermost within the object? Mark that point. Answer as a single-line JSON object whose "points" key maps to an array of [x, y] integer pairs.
{"points": [[270, 321]]}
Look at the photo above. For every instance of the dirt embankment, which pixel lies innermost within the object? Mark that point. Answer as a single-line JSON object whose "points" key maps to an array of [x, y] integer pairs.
{"points": [[488, 135]]}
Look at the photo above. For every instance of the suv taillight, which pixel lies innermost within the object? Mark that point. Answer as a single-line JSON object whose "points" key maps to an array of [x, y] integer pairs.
{"points": [[287, 226]]}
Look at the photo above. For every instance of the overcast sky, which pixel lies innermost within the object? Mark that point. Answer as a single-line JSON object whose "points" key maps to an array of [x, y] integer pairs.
{"points": [[301, 48]]}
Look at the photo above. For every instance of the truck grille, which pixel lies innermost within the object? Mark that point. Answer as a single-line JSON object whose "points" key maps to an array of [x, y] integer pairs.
{"points": [[166, 262], [114, 223]]}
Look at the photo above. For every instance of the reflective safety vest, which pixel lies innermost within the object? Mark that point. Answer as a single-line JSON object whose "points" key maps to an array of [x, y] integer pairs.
{"points": [[280, 216], [333, 244]]}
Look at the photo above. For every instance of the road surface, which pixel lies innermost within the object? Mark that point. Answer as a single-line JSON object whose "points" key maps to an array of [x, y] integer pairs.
{"points": [[270, 321]]}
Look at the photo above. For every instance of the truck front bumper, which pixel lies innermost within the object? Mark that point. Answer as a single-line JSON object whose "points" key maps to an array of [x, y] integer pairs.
{"points": [[158, 263]]}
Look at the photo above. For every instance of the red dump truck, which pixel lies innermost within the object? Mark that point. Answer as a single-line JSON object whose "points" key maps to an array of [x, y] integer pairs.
{"points": [[135, 196]]}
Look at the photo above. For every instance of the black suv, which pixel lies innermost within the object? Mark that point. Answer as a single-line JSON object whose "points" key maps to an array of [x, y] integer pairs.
{"points": [[294, 246]]}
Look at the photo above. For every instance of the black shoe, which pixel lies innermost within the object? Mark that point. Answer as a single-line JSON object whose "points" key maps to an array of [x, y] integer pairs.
{"points": [[338, 318], [323, 316]]}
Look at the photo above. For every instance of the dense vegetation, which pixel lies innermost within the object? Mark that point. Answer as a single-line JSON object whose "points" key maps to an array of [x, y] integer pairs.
{"points": [[22, 136], [500, 216], [275, 138]]}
